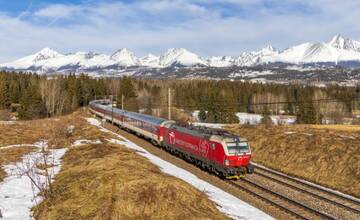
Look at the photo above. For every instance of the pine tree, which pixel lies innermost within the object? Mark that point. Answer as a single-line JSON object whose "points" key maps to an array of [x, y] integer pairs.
{"points": [[202, 115], [127, 89], [31, 105], [4, 94]]}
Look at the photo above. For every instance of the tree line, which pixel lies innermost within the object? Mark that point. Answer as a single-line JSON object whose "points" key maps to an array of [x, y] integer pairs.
{"points": [[34, 96]]}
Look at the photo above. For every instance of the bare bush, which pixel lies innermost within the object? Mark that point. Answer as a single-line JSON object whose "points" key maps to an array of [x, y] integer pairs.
{"points": [[39, 169]]}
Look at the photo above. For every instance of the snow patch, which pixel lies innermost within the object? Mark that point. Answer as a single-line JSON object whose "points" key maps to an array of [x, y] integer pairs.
{"points": [[37, 145], [226, 203], [17, 193], [289, 132], [209, 125], [7, 122], [85, 141], [248, 118]]}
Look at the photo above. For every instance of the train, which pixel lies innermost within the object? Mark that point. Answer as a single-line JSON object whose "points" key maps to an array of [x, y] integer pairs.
{"points": [[215, 150]]}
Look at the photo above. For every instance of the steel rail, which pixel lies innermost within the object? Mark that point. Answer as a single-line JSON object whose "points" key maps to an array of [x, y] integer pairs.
{"points": [[308, 192], [329, 192], [291, 201]]}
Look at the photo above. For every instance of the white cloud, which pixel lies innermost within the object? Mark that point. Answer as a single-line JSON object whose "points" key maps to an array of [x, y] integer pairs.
{"points": [[57, 11], [153, 26]]}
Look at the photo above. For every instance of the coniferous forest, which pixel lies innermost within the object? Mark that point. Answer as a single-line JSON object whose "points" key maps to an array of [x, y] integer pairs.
{"points": [[33, 96]]}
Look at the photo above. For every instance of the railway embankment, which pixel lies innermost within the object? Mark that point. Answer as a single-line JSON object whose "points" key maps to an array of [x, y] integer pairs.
{"points": [[326, 155], [100, 179]]}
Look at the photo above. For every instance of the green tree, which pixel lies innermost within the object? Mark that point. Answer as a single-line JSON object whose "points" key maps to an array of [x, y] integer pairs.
{"points": [[31, 105], [4, 93], [127, 89], [202, 115]]}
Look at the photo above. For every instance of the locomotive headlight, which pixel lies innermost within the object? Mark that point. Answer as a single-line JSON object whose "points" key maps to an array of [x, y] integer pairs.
{"points": [[226, 162]]}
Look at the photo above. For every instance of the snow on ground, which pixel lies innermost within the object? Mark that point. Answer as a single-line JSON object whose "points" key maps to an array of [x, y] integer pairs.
{"points": [[226, 203], [85, 141], [37, 144], [97, 123], [252, 119], [210, 125], [17, 193], [7, 122], [289, 132]]}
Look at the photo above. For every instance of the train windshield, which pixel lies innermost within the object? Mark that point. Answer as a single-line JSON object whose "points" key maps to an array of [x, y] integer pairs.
{"points": [[235, 148]]}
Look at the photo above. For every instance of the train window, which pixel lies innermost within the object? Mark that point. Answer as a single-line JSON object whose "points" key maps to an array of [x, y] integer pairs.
{"points": [[235, 148]]}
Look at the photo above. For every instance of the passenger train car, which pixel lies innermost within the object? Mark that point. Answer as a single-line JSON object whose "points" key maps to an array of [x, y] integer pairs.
{"points": [[218, 151]]}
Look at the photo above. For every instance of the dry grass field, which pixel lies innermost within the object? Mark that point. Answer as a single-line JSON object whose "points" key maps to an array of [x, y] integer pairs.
{"points": [[325, 154], [103, 181], [5, 115]]}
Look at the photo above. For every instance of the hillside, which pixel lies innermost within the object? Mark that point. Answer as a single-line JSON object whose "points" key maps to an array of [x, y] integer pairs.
{"points": [[97, 178], [327, 155]]}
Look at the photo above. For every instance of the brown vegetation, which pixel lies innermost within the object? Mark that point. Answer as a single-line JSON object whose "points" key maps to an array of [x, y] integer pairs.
{"points": [[11, 155], [5, 115], [106, 181], [103, 181], [328, 155], [54, 130]]}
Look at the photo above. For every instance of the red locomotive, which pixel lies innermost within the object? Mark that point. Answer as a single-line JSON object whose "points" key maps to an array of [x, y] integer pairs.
{"points": [[223, 153]]}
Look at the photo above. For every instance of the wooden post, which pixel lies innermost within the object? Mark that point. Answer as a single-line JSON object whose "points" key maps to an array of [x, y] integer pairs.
{"points": [[122, 101], [112, 109], [169, 104]]}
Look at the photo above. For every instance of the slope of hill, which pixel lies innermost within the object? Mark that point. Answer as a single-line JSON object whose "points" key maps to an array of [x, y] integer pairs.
{"points": [[327, 155]]}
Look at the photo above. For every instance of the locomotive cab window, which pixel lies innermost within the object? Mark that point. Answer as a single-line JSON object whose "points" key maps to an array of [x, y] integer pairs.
{"points": [[235, 148]]}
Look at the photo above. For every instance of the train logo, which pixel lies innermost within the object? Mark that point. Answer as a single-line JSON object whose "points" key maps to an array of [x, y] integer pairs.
{"points": [[203, 147], [172, 137]]}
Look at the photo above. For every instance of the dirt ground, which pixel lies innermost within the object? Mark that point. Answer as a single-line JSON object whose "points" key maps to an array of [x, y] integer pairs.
{"points": [[325, 154], [103, 181]]}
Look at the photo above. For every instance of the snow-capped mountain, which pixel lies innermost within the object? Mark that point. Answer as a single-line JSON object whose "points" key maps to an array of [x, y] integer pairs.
{"points": [[150, 60], [125, 57], [337, 51], [33, 59], [345, 43], [180, 57], [265, 55], [222, 61]]}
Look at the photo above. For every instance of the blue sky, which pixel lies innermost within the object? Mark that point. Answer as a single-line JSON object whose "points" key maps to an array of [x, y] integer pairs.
{"points": [[206, 27]]}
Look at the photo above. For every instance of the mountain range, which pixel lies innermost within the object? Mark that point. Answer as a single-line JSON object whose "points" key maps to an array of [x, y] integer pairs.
{"points": [[338, 51]]}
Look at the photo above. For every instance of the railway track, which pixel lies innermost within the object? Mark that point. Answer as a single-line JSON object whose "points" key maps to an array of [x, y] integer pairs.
{"points": [[332, 197], [282, 202], [266, 196]]}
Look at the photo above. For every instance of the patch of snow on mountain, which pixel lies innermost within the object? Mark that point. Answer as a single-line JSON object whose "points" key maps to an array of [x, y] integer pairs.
{"points": [[180, 56], [222, 61], [340, 42], [150, 60], [125, 57]]}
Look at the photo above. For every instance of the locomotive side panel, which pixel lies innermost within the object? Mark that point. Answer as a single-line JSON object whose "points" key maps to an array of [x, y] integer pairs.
{"points": [[187, 143]]}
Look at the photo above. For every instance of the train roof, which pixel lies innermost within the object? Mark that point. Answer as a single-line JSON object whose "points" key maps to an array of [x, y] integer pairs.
{"points": [[203, 132], [142, 117], [104, 104]]}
